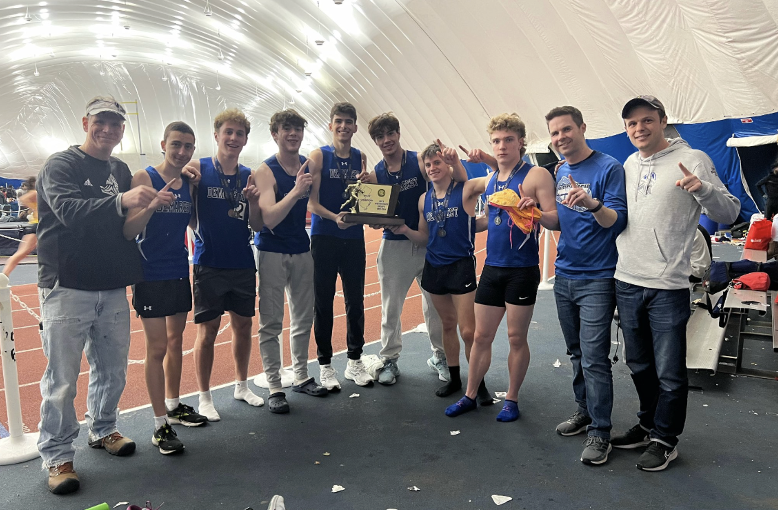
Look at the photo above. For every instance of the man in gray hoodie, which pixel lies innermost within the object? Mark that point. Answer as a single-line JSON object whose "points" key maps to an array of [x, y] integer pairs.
{"points": [[668, 185]]}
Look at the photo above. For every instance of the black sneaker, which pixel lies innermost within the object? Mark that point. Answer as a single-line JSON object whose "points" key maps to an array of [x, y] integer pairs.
{"points": [[635, 437], [186, 416], [165, 438], [596, 450], [576, 424], [656, 457]]}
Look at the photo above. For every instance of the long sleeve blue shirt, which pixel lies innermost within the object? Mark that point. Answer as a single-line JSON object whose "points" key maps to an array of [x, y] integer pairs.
{"points": [[587, 250]]}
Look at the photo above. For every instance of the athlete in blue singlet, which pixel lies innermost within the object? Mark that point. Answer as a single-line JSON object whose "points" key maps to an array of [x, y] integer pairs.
{"points": [[224, 271], [164, 298], [510, 277], [338, 248], [400, 261], [447, 225], [284, 259]]}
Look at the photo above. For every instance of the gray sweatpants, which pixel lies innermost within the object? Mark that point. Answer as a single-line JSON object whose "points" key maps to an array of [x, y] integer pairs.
{"points": [[281, 273], [399, 263]]}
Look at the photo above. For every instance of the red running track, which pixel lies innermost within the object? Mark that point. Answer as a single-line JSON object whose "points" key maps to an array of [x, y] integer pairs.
{"points": [[31, 362]]}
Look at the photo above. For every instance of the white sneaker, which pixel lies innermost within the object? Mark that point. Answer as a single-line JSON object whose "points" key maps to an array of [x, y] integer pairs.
{"points": [[329, 378], [355, 371]]}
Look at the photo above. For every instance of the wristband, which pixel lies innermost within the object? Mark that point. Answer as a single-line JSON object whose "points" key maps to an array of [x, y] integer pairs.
{"points": [[599, 206]]}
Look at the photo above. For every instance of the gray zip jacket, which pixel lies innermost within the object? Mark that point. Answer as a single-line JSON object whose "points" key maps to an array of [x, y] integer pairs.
{"points": [[655, 249]]}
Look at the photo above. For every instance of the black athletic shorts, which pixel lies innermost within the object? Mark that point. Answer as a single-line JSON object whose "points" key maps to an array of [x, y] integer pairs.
{"points": [[455, 278], [219, 290], [512, 285], [162, 298]]}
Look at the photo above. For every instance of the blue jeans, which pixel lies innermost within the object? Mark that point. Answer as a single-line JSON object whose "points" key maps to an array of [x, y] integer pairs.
{"points": [[76, 321], [585, 309], [654, 325]]}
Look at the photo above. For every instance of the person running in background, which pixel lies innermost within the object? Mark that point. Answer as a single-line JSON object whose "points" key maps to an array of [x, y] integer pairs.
{"points": [[29, 233], [164, 299]]}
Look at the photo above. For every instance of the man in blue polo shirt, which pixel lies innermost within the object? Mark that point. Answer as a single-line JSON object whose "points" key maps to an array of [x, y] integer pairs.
{"points": [[592, 212]]}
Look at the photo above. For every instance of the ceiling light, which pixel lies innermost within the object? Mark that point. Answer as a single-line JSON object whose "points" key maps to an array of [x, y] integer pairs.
{"points": [[27, 16], [208, 11], [319, 41], [337, 2], [221, 55], [218, 85], [36, 73]]}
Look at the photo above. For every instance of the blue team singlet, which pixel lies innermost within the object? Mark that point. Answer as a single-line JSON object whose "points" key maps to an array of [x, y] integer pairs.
{"points": [[221, 240], [504, 246], [289, 236], [459, 239], [162, 244], [412, 186], [335, 172]]}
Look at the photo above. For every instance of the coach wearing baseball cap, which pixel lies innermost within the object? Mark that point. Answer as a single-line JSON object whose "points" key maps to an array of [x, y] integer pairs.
{"points": [[84, 267]]}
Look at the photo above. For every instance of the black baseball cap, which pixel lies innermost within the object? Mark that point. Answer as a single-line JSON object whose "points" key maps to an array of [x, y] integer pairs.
{"points": [[650, 101]]}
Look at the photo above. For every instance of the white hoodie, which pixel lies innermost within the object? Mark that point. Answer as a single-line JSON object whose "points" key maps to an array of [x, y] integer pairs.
{"points": [[655, 248]]}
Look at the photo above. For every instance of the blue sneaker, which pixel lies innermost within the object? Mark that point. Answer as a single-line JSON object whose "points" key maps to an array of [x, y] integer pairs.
{"points": [[462, 406], [510, 411]]}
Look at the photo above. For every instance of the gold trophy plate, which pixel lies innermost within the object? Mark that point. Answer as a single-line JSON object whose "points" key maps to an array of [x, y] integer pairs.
{"points": [[372, 204]]}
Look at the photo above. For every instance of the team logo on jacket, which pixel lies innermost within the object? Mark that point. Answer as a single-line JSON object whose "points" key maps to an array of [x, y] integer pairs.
{"points": [[111, 186]]}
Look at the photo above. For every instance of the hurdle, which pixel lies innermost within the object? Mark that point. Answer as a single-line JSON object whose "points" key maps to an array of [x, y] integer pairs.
{"points": [[18, 447]]}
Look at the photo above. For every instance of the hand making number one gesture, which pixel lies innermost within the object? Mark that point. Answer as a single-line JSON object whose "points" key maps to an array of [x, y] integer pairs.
{"points": [[303, 180], [164, 196], [578, 196], [690, 182], [251, 192], [525, 201], [473, 156], [447, 154]]}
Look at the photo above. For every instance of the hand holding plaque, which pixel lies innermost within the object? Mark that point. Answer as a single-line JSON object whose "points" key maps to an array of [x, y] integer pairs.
{"points": [[371, 204]]}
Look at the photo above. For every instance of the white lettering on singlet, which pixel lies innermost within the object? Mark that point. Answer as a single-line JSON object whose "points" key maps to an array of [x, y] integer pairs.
{"points": [[409, 183], [176, 207], [218, 193], [335, 174], [451, 212]]}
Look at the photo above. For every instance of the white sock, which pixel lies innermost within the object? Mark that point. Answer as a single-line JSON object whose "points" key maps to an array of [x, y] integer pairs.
{"points": [[172, 403], [242, 392], [159, 421], [206, 407]]}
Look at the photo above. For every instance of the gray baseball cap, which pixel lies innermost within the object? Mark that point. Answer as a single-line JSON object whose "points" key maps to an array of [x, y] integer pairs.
{"points": [[650, 101], [102, 104]]}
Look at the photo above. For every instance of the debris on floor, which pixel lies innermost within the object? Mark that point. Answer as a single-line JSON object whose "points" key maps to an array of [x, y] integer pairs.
{"points": [[557, 364], [500, 500], [454, 432], [338, 488], [414, 489]]}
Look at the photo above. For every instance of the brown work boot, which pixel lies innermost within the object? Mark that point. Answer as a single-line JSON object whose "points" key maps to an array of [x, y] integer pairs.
{"points": [[63, 479], [115, 444]]}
